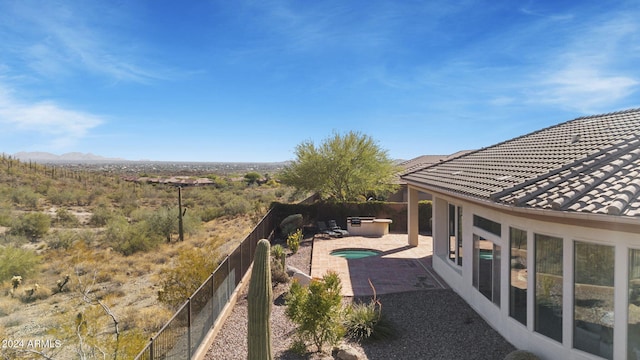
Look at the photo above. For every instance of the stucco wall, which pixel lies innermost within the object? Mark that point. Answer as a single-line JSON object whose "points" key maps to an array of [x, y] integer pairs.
{"points": [[524, 337]]}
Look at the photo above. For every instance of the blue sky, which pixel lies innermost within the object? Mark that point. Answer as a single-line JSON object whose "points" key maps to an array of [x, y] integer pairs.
{"points": [[249, 80]]}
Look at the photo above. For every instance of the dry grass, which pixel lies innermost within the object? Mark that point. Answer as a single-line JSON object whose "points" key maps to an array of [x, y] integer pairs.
{"points": [[128, 284]]}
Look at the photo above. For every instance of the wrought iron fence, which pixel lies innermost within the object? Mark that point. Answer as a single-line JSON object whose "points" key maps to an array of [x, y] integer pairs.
{"points": [[184, 332]]}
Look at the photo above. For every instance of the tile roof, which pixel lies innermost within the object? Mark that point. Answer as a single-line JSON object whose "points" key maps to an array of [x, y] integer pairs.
{"points": [[426, 160], [589, 164]]}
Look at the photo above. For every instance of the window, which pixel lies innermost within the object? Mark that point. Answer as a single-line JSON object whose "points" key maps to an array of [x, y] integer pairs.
{"points": [[593, 299], [633, 319], [518, 276], [486, 268], [548, 292], [487, 225], [455, 234]]}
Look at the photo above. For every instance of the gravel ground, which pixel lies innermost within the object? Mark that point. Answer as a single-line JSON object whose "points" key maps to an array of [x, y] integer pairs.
{"points": [[430, 324]]}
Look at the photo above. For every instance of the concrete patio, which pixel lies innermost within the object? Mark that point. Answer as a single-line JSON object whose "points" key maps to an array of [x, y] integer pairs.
{"points": [[399, 268]]}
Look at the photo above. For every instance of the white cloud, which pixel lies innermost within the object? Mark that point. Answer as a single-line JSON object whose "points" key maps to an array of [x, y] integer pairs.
{"points": [[586, 88], [63, 127], [595, 70], [60, 42]]}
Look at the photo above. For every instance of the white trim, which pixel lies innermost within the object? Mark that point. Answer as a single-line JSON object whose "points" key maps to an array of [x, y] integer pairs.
{"points": [[525, 337], [527, 210]]}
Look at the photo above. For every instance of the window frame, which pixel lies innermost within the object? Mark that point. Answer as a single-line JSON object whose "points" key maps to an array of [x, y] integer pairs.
{"points": [[518, 307], [456, 239]]}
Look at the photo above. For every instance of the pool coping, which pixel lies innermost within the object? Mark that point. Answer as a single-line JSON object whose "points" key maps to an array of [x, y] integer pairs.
{"points": [[399, 268]]}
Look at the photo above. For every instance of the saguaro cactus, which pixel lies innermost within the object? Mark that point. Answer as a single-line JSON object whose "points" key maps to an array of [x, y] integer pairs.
{"points": [[260, 298]]}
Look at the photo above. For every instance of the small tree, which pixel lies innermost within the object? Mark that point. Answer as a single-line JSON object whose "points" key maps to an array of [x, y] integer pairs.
{"points": [[316, 310], [343, 168], [252, 177]]}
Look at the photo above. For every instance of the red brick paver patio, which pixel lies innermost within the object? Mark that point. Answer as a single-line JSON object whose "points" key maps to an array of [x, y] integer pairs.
{"points": [[399, 268]]}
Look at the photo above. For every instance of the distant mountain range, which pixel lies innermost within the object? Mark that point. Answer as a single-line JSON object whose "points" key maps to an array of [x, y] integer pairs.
{"points": [[72, 156]]}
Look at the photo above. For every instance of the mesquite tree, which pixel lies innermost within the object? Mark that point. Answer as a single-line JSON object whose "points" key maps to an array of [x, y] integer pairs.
{"points": [[343, 168]]}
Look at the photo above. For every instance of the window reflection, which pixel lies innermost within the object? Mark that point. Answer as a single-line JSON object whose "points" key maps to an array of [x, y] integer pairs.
{"points": [[452, 233], [518, 277], [593, 299], [455, 234], [633, 320], [486, 274], [548, 292]]}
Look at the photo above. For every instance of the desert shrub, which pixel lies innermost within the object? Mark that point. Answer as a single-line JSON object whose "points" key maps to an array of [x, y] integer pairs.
{"points": [[210, 213], [65, 218], [101, 216], [278, 270], [60, 196], [293, 241], [278, 274], [291, 223], [365, 321], [16, 261], [237, 206], [138, 238], [163, 222], [277, 252], [252, 177], [316, 310], [14, 240], [32, 225], [5, 217], [24, 196], [32, 293], [192, 267], [61, 239], [130, 238]]}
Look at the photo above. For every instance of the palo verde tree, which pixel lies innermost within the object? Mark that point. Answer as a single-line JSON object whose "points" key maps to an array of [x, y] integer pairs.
{"points": [[343, 168]]}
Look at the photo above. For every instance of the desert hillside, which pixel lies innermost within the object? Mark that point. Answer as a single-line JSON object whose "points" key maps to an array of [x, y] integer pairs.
{"points": [[92, 264]]}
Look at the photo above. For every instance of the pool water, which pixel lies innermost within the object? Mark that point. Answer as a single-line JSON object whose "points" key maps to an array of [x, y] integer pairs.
{"points": [[351, 254], [486, 255]]}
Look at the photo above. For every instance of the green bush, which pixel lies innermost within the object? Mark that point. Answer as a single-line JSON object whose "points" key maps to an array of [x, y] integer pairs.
{"points": [[101, 216], [32, 225], [14, 240], [65, 218], [210, 213], [277, 252], [293, 241], [25, 197], [278, 270], [17, 262], [61, 239], [316, 310], [130, 238], [237, 206], [365, 321], [291, 223], [5, 217]]}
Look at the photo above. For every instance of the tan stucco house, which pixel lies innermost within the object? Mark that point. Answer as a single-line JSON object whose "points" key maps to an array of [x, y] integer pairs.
{"points": [[541, 235]]}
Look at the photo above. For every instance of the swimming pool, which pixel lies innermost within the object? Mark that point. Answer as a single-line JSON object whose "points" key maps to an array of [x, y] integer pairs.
{"points": [[351, 254]]}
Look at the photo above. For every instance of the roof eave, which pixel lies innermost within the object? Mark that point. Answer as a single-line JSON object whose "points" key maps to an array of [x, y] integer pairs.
{"points": [[617, 219]]}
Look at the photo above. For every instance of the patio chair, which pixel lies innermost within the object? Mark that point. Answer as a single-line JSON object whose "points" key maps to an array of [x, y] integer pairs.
{"points": [[334, 227], [323, 229]]}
